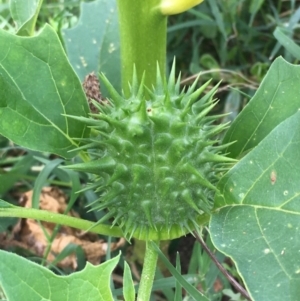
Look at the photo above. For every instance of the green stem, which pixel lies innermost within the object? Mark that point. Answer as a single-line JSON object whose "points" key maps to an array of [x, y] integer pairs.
{"points": [[61, 219], [148, 273], [84, 156], [143, 31]]}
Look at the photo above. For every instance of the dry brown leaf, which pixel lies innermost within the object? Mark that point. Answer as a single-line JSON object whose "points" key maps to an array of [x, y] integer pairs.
{"points": [[91, 86]]}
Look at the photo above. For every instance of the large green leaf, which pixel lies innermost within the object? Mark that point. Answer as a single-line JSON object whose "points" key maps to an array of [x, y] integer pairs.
{"points": [[24, 280], [38, 85], [94, 44], [25, 13], [276, 99], [257, 215]]}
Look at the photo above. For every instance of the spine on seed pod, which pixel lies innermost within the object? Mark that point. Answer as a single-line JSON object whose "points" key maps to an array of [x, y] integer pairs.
{"points": [[156, 158]]}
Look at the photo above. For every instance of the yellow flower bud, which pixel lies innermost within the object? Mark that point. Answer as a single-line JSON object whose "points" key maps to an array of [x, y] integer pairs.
{"points": [[173, 7]]}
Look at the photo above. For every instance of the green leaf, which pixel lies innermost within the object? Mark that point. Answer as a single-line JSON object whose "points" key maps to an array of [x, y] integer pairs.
{"points": [[94, 43], [287, 42], [255, 5], [20, 277], [128, 289], [194, 293], [276, 99], [41, 180], [4, 205], [25, 13], [218, 17], [178, 287], [37, 86], [18, 171], [68, 250], [257, 215]]}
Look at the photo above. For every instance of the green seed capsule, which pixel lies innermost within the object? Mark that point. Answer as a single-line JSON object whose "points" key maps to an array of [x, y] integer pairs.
{"points": [[158, 162]]}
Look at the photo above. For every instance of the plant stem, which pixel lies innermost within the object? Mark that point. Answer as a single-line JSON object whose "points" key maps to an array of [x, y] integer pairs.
{"points": [[143, 31], [84, 156], [148, 273], [61, 219], [233, 282]]}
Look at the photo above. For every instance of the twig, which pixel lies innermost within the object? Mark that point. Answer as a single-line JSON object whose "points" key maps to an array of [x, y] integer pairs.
{"points": [[217, 70], [233, 282]]}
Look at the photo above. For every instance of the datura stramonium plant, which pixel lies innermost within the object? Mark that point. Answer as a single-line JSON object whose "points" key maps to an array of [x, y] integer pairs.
{"points": [[156, 159]]}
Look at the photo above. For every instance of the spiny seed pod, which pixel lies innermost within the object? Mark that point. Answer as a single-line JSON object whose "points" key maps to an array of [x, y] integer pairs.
{"points": [[155, 159]]}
